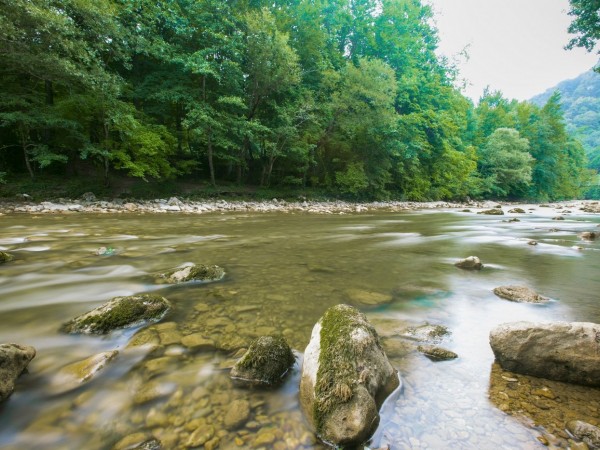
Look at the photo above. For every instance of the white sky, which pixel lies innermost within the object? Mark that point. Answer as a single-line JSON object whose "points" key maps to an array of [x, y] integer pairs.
{"points": [[515, 46]]}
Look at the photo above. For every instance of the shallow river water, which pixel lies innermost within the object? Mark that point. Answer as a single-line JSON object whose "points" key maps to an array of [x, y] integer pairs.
{"points": [[282, 272]]}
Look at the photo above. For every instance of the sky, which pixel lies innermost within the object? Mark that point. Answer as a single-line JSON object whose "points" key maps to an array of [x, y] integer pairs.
{"points": [[515, 46]]}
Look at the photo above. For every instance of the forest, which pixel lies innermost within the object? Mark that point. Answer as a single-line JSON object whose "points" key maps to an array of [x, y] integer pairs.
{"points": [[347, 96]]}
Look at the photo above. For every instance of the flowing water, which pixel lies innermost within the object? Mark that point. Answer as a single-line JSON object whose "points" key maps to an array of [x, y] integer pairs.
{"points": [[282, 272]]}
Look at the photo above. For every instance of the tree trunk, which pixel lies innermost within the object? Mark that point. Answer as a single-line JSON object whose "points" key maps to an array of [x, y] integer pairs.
{"points": [[24, 137], [210, 158], [106, 160], [27, 162]]}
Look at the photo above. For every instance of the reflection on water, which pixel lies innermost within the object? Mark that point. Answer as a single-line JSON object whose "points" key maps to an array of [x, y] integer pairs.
{"points": [[170, 380]]}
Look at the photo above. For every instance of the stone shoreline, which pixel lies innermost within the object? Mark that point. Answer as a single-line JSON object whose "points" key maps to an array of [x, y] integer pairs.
{"points": [[176, 205]]}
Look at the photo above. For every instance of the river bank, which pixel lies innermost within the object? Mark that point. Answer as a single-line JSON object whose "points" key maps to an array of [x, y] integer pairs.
{"points": [[89, 204]]}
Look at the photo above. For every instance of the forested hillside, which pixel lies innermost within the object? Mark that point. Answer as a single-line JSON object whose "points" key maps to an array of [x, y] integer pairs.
{"points": [[347, 96], [580, 98]]}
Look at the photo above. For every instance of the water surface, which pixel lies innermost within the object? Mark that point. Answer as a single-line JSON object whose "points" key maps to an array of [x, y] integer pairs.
{"points": [[283, 272]]}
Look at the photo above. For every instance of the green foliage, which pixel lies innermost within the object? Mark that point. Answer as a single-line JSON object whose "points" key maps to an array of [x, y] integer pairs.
{"points": [[337, 95], [585, 24], [505, 164]]}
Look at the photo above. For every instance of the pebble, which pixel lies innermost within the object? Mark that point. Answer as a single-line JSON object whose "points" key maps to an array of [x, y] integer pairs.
{"points": [[237, 414]]}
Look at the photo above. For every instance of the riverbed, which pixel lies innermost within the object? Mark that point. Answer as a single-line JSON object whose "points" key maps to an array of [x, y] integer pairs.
{"points": [[283, 270]]}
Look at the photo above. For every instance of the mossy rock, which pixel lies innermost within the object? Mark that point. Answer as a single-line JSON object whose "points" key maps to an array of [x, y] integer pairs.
{"points": [[437, 353], [193, 272], [345, 377], [492, 212], [5, 257], [120, 312], [265, 363], [517, 211], [520, 294]]}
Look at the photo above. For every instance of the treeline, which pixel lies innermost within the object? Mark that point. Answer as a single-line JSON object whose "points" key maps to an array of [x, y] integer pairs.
{"points": [[346, 95]]}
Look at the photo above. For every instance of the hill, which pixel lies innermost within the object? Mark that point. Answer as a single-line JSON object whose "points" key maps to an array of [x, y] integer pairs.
{"points": [[580, 98]]}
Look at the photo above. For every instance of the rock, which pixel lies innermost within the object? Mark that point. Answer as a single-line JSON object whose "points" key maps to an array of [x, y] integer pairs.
{"points": [[134, 441], [517, 211], [561, 351], [265, 363], [193, 272], [427, 333], [73, 375], [521, 294], [532, 243], [197, 341], [14, 359], [558, 218], [237, 414], [368, 297], [88, 197], [469, 263], [344, 372], [264, 437], [120, 312], [105, 251], [492, 212], [436, 353], [200, 436], [152, 444], [588, 235], [5, 257], [585, 432]]}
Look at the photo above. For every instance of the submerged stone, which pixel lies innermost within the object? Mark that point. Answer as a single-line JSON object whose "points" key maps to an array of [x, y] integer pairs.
{"points": [[5, 257], [469, 263], [588, 235], [193, 272], [345, 377], [521, 294], [73, 375], [437, 353], [14, 359], [120, 312], [265, 363], [237, 414], [561, 351], [369, 298]]}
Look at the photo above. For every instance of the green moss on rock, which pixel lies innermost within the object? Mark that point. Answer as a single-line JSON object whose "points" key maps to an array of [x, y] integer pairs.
{"points": [[5, 257], [266, 362], [337, 372], [194, 272], [492, 212], [120, 312]]}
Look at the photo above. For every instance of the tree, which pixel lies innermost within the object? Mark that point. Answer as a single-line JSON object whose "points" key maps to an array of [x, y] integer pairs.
{"points": [[505, 164], [585, 25]]}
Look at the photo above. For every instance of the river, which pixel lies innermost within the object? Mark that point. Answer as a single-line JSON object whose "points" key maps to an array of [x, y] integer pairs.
{"points": [[282, 272]]}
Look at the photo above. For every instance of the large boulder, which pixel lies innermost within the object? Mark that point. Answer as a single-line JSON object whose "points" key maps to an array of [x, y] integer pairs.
{"points": [[120, 312], [192, 272], [345, 376], [562, 351], [265, 363], [5, 257], [14, 359], [520, 294]]}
